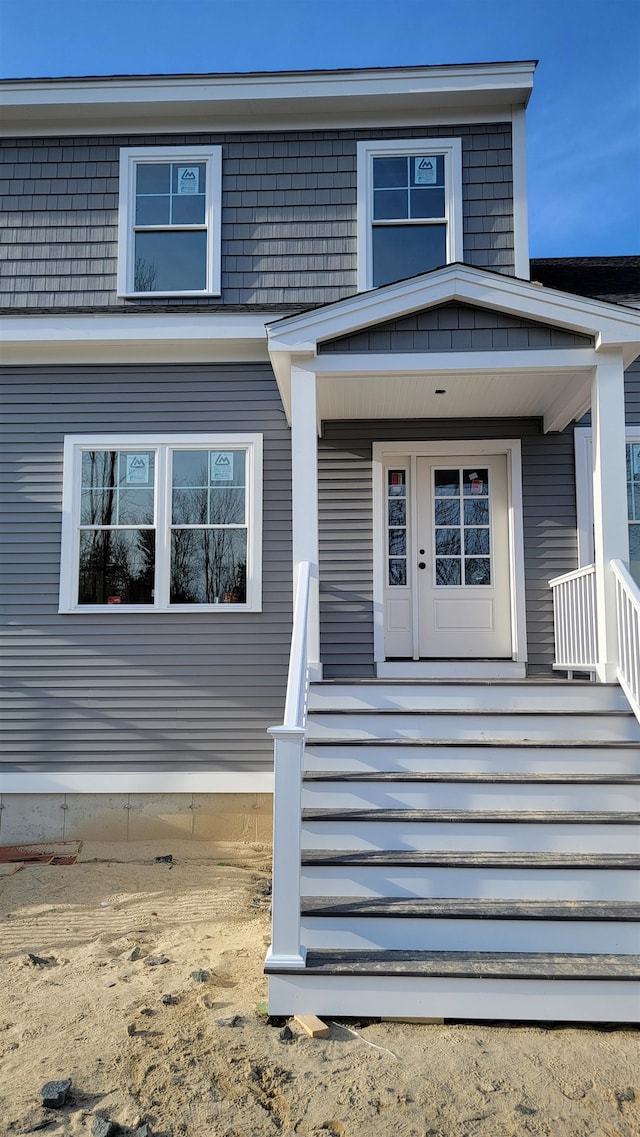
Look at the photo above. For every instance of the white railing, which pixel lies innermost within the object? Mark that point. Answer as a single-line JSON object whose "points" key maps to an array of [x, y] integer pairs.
{"points": [[628, 622], [288, 760], [574, 619]]}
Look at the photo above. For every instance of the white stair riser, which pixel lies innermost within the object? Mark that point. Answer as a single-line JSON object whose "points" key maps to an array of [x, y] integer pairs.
{"points": [[473, 759], [491, 883], [558, 1000], [467, 697], [341, 933], [469, 795], [470, 835], [474, 726]]}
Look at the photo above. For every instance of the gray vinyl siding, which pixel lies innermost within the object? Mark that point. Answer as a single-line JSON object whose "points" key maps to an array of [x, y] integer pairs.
{"points": [[632, 394], [456, 327], [288, 220], [143, 690], [346, 536]]}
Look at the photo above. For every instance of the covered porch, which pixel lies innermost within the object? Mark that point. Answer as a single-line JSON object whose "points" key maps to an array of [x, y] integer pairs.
{"points": [[395, 395]]}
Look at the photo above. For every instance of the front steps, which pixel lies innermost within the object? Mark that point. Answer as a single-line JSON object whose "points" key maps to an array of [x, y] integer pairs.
{"points": [[468, 850]]}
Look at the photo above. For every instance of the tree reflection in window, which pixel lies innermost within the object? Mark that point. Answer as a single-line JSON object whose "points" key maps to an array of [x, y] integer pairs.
{"points": [[209, 532]]}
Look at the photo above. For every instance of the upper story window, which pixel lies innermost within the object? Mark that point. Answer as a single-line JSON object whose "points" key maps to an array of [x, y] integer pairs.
{"points": [[162, 523], [169, 222], [409, 207]]}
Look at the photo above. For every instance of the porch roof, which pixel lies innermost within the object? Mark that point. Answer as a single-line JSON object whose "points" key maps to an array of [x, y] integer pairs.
{"points": [[549, 382]]}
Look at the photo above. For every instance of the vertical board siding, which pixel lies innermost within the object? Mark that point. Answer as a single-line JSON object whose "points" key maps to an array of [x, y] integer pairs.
{"points": [[165, 689], [346, 528], [288, 214]]}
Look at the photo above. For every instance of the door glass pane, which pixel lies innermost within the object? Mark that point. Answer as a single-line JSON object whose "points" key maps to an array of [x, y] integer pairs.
{"points": [[448, 542], [398, 542], [476, 511], [447, 483], [477, 571], [447, 571], [397, 528], [447, 511], [476, 483], [476, 541], [453, 543]]}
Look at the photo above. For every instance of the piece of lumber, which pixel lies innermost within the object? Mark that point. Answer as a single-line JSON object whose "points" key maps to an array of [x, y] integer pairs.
{"points": [[313, 1026]]}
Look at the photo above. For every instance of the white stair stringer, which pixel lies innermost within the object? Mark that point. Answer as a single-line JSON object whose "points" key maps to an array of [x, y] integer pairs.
{"points": [[469, 849]]}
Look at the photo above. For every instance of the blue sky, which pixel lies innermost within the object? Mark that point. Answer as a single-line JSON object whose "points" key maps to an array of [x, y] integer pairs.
{"points": [[583, 119]]}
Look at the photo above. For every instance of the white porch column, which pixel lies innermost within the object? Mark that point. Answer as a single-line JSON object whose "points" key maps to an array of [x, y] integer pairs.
{"points": [[610, 523], [304, 473]]}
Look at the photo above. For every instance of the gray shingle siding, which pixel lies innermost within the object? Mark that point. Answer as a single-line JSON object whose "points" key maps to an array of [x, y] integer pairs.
{"points": [[147, 689], [456, 327], [288, 220]]}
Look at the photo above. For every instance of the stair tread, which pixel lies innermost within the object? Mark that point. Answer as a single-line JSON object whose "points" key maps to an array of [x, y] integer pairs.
{"points": [[510, 816], [466, 776], [471, 964], [537, 743], [571, 712], [464, 859], [447, 908]]}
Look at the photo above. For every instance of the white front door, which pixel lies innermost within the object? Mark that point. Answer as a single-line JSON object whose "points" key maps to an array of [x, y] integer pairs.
{"points": [[463, 578], [447, 592]]}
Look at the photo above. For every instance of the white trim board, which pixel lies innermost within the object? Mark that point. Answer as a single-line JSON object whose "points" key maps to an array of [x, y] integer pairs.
{"points": [[296, 99], [450, 449], [583, 454], [61, 781]]}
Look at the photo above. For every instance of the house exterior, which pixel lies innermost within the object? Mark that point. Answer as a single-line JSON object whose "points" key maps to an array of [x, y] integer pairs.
{"points": [[276, 331]]}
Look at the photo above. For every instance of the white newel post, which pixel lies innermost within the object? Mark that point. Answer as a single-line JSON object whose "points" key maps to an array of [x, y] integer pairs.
{"points": [[286, 949], [610, 524], [304, 475]]}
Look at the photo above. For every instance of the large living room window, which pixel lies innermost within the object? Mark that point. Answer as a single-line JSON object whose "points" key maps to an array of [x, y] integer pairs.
{"points": [[162, 524], [169, 221], [409, 207]]}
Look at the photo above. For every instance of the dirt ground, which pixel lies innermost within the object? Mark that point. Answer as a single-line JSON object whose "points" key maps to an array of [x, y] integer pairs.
{"points": [[206, 1063]]}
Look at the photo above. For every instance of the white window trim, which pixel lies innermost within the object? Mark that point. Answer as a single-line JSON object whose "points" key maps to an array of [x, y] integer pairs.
{"points": [[69, 567], [583, 454], [451, 148], [129, 160]]}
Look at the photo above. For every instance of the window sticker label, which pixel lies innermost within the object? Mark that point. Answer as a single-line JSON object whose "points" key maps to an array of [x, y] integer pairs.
{"points": [[137, 470], [188, 179], [425, 171], [221, 465]]}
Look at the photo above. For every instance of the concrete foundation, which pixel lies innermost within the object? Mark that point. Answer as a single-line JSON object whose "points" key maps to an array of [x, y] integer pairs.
{"points": [[135, 817]]}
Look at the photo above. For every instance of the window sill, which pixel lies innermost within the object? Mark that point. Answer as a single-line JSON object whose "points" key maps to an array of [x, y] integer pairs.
{"points": [[151, 610]]}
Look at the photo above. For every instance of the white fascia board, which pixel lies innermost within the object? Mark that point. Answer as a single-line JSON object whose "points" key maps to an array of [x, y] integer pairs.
{"points": [[612, 325], [148, 337], [35, 106], [520, 363]]}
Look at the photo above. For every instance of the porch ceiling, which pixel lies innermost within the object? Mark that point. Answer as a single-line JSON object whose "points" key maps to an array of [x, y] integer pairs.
{"points": [[444, 394]]}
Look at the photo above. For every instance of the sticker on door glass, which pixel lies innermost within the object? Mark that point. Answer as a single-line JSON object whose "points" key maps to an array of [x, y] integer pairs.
{"points": [[425, 171], [188, 179], [221, 462], [137, 470]]}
